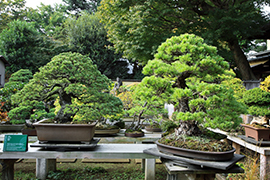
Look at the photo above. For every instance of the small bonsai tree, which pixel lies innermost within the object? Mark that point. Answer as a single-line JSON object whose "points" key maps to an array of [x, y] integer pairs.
{"points": [[187, 73], [257, 101], [16, 82], [147, 106], [82, 91]]}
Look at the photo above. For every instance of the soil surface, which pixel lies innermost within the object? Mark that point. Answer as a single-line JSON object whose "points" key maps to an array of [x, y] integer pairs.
{"points": [[204, 142]]}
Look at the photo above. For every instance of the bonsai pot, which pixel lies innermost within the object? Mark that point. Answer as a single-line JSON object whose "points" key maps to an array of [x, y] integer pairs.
{"points": [[11, 127], [29, 132], [64, 132], [257, 133], [134, 134], [196, 154], [153, 129], [106, 131]]}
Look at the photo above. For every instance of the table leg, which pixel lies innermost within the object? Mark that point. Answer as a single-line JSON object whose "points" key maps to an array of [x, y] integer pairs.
{"points": [[237, 147], [264, 167], [8, 168], [150, 169], [43, 166], [143, 165]]}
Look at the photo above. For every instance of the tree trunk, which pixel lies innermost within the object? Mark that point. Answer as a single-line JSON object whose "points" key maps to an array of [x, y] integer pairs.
{"points": [[241, 61], [188, 128]]}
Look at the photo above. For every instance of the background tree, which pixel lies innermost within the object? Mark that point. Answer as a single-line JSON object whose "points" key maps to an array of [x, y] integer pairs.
{"points": [[24, 47], [48, 19], [11, 10], [82, 5], [87, 36], [138, 27]]}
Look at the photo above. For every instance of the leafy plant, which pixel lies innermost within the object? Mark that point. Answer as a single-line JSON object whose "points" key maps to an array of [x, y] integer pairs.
{"points": [[265, 85], [187, 73], [82, 90], [16, 82], [258, 102]]}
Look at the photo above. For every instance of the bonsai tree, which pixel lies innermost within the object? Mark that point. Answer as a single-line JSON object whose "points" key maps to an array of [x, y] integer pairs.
{"points": [[147, 106], [188, 73], [80, 89], [257, 101], [16, 82]]}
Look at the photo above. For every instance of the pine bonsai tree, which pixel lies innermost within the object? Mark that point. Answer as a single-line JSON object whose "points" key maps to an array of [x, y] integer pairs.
{"points": [[81, 90], [188, 73], [16, 82]]}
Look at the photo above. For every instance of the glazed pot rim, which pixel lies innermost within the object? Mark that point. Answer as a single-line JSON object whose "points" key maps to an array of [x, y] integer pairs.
{"points": [[40, 123], [251, 127]]}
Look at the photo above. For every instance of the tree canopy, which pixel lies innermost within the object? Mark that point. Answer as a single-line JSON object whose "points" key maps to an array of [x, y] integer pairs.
{"points": [[24, 47], [87, 36], [11, 10], [138, 27], [80, 5]]}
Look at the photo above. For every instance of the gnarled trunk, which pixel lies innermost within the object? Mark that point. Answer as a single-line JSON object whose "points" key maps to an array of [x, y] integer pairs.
{"points": [[188, 128], [64, 101]]}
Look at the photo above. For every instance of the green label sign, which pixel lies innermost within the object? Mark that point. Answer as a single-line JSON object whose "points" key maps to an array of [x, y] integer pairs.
{"points": [[15, 143]]}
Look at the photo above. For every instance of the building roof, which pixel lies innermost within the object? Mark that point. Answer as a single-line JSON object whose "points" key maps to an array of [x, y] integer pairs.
{"points": [[4, 60]]}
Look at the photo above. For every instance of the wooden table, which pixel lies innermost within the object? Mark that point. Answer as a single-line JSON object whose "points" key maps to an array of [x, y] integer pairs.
{"points": [[46, 159], [185, 171], [263, 151], [116, 138]]}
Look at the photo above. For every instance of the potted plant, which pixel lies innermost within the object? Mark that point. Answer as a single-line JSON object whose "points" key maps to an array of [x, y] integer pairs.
{"points": [[188, 73], [258, 103], [82, 92], [148, 106], [16, 82]]}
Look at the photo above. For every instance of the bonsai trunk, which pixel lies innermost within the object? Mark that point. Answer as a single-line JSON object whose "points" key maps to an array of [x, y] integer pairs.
{"points": [[188, 128], [64, 101]]}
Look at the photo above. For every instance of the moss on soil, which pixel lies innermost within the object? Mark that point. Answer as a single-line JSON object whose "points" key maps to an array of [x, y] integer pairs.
{"points": [[207, 141]]}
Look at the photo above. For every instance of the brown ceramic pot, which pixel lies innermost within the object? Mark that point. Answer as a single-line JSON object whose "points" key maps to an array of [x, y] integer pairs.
{"points": [[131, 134], [257, 133], [65, 132], [151, 129], [29, 132]]}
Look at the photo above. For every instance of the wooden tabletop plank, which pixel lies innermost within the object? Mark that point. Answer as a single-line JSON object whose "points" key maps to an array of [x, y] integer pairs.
{"points": [[102, 151]]}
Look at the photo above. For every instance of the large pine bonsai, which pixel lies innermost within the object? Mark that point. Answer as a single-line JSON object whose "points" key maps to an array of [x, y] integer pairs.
{"points": [[75, 82], [187, 73]]}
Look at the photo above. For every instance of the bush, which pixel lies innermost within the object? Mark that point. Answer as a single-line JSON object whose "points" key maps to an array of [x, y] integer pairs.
{"points": [[16, 82], [258, 102]]}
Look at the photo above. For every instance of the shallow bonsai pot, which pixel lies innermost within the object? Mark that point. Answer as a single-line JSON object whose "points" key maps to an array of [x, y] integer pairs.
{"points": [[195, 154], [64, 132], [29, 132], [151, 129], [131, 134], [257, 133], [106, 131], [11, 127]]}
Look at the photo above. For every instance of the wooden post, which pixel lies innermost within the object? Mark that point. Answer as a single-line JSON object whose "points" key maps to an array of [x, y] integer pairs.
{"points": [[43, 166], [237, 147], [8, 169], [150, 169], [264, 167]]}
